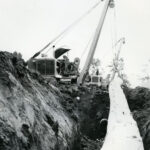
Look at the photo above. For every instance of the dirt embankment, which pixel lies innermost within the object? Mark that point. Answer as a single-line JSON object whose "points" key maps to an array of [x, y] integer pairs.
{"points": [[139, 103], [31, 115]]}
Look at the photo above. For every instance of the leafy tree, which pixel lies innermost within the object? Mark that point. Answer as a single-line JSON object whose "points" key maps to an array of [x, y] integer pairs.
{"points": [[17, 54], [118, 66], [94, 66], [146, 75]]}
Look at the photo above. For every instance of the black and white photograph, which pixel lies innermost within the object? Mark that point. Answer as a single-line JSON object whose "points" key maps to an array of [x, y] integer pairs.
{"points": [[74, 75]]}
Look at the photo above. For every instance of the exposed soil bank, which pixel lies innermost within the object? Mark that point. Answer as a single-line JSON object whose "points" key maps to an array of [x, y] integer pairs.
{"points": [[31, 115], [139, 103]]}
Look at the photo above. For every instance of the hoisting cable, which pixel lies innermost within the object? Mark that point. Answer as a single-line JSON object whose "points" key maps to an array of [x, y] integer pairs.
{"points": [[52, 47], [66, 30], [113, 31], [60, 36], [86, 47], [115, 27], [112, 35]]}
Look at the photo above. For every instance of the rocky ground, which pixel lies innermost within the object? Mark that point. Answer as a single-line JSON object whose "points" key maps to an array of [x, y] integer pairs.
{"points": [[38, 114]]}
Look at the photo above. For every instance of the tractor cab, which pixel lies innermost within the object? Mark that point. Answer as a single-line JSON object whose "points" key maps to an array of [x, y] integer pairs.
{"points": [[62, 69]]}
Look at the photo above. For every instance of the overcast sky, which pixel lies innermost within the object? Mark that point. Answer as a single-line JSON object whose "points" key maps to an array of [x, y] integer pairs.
{"points": [[27, 26]]}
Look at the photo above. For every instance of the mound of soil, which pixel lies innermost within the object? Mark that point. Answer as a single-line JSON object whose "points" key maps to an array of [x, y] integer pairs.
{"points": [[31, 115]]}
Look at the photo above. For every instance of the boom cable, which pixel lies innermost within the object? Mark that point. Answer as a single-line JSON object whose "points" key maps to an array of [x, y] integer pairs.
{"points": [[61, 35], [113, 31], [86, 48]]}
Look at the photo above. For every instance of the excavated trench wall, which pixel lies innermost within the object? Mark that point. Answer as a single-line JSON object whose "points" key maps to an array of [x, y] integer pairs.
{"points": [[139, 103], [31, 115]]}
